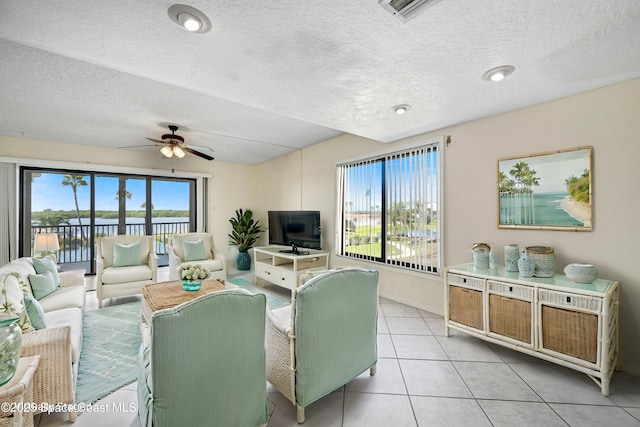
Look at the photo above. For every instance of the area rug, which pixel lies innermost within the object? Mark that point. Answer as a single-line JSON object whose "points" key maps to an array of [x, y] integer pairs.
{"points": [[111, 341], [109, 357], [273, 299]]}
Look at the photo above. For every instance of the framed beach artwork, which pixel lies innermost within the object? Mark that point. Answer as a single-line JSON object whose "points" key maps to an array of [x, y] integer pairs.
{"points": [[546, 191]]}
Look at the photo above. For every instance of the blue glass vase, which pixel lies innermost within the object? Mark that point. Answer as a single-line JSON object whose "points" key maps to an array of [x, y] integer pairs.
{"points": [[243, 261], [191, 285]]}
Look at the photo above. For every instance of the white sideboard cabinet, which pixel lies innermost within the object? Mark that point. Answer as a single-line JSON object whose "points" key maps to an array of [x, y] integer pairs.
{"points": [[283, 268], [555, 319]]}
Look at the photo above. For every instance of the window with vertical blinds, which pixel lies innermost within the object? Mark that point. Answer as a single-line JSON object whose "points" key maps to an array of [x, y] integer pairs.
{"points": [[388, 208]]}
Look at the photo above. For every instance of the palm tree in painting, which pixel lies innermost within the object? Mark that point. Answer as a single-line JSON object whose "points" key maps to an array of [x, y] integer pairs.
{"points": [[518, 172], [505, 184], [524, 176], [530, 180], [75, 181]]}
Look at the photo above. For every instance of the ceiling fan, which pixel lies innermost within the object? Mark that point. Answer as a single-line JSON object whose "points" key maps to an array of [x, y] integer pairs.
{"points": [[173, 145]]}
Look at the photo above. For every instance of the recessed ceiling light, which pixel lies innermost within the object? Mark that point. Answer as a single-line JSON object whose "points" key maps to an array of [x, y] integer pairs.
{"points": [[401, 109], [498, 73], [189, 18]]}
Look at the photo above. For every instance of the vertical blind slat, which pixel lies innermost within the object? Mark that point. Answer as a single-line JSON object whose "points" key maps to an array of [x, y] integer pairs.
{"points": [[410, 204]]}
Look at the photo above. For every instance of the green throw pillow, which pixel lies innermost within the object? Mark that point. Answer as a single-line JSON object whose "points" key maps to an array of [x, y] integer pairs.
{"points": [[126, 255], [35, 312], [42, 284], [193, 250], [42, 265]]}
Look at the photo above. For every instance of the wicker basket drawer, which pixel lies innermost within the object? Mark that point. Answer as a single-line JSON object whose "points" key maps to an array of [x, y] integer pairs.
{"points": [[570, 301], [465, 306], [570, 332], [511, 290], [465, 281], [511, 317]]}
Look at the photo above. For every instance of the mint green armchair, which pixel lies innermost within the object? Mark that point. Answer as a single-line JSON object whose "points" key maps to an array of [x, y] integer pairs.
{"points": [[326, 338], [202, 363]]}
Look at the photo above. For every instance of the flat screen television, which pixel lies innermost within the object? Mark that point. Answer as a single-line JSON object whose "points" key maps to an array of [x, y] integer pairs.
{"points": [[299, 228]]}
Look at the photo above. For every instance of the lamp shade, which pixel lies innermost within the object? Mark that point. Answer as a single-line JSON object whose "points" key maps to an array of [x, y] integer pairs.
{"points": [[46, 242]]}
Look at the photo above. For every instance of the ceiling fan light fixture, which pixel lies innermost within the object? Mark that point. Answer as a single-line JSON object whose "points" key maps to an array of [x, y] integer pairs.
{"points": [[179, 152], [498, 73], [167, 151], [401, 109], [189, 18]]}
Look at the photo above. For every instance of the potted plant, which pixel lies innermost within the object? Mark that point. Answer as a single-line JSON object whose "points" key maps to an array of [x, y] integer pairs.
{"points": [[192, 276], [245, 231]]}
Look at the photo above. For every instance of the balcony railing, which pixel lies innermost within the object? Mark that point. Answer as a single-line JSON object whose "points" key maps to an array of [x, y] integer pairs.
{"points": [[74, 249]]}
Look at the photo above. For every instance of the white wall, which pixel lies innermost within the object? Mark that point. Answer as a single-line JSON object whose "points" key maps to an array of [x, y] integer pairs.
{"points": [[605, 119]]}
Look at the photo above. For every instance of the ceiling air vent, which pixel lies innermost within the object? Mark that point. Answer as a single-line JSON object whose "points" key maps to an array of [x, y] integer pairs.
{"points": [[405, 9]]}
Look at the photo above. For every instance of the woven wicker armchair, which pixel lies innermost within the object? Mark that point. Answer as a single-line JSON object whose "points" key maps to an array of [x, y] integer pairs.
{"points": [[202, 363], [326, 338]]}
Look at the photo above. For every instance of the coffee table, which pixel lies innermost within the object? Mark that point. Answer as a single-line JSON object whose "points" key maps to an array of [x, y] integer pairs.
{"points": [[157, 296]]}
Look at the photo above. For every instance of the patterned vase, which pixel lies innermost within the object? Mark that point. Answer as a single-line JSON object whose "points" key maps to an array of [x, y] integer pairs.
{"points": [[243, 261], [191, 285], [481, 255], [525, 265], [511, 255], [10, 346], [544, 260]]}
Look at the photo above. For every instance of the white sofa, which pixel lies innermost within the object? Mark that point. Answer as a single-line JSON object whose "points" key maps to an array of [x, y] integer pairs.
{"points": [[58, 344]]}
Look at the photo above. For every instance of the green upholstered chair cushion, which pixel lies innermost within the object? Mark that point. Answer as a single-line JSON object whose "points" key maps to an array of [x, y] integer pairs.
{"points": [[35, 312], [207, 363], [42, 284], [335, 325], [126, 255], [194, 250], [42, 265]]}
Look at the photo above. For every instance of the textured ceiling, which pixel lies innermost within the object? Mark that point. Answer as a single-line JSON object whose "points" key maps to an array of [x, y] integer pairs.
{"points": [[273, 76]]}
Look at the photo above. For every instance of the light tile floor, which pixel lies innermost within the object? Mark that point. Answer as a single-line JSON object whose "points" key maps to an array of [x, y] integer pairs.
{"points": [[427, 379]]}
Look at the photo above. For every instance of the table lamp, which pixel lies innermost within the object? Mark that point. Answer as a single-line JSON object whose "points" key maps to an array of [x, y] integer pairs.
{"points": [[46, 244]]}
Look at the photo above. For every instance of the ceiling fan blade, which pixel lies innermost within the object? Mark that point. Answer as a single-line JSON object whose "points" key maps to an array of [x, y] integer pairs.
{"points": [[197, 153], [158, 141]]}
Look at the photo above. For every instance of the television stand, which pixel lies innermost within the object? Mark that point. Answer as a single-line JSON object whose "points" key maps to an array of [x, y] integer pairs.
{"points": [[280, 266]]}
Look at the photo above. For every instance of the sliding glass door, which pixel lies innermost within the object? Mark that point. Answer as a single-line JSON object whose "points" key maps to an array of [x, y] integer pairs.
{"points": [[80, 206]]}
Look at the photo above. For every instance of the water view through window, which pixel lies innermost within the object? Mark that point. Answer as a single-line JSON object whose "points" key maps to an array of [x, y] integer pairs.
{"points": [[82, 206]]}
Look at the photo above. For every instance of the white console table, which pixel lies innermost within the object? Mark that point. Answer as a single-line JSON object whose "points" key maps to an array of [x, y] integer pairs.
{"points": [[555, 319], [284, 269]]}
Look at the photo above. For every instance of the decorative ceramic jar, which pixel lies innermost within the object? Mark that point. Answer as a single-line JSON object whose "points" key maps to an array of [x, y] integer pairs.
{"points": [[511, 255], [544, 260], [581, 273], [525, 265], [10, 346], [481, 255], [191, 285]]}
